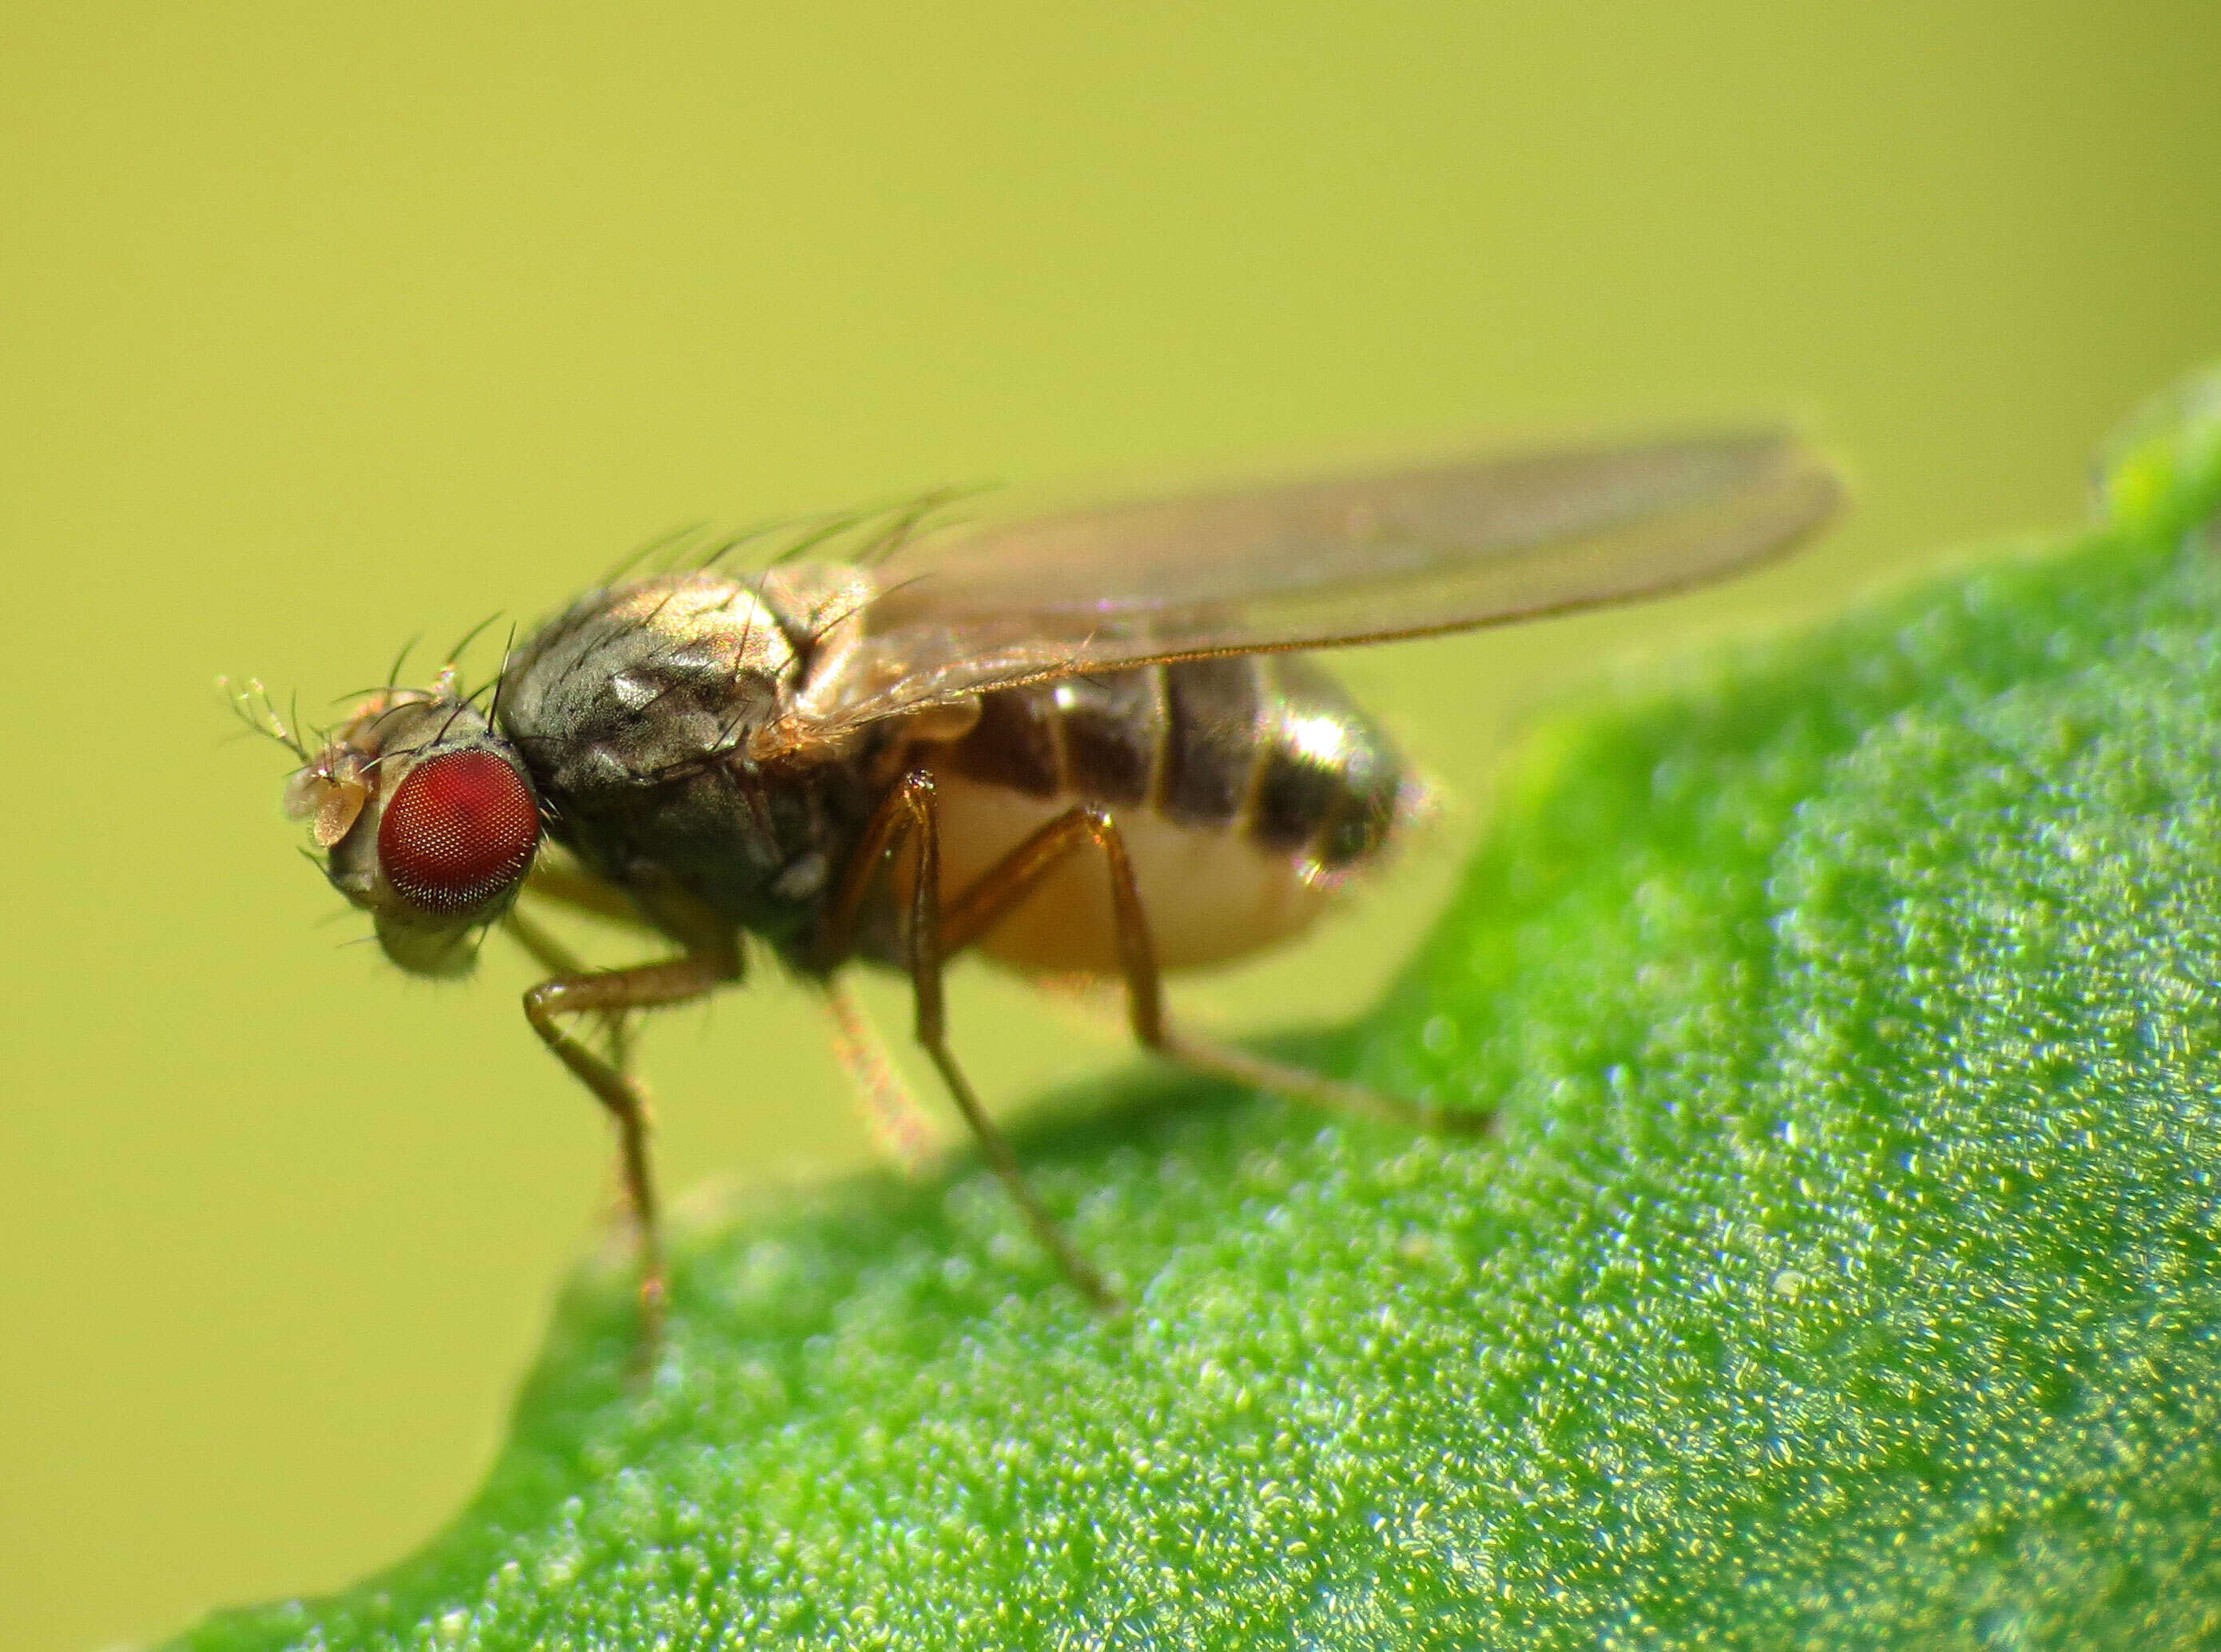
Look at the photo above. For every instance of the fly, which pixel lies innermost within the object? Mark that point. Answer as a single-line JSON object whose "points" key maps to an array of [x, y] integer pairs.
{"points": [[1085, 743]]}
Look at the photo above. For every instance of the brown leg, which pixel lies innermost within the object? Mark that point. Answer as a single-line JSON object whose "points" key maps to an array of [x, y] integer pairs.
{"points": [[611, 994], [907, 817], [1010, 880], [897, 1122], [556, 958]]}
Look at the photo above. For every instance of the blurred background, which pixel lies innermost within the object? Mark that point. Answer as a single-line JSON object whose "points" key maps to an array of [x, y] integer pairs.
{"points": [[322, 329]]}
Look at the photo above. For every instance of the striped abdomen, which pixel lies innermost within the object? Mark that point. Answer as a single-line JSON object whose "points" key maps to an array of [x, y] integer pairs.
{"points": [[1243, 785]]}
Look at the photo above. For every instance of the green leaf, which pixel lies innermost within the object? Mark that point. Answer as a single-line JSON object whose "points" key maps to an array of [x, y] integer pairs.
{"points": [[1844, 1272]]}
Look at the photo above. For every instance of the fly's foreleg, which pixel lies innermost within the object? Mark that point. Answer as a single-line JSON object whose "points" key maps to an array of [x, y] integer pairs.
{"points": [[612, 994], [907, 819], [562, 883], [552, 956], [1000, 889]]}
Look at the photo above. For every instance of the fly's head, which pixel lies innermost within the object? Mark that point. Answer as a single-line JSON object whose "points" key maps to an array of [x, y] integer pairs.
{"points": [[425, 817]]}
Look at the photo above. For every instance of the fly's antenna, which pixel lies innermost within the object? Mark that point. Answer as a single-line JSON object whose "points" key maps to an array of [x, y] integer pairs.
{"points": [[250, 702]]}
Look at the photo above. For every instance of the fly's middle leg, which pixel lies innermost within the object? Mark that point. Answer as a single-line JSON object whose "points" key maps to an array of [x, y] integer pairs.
{"points": [[1000, 889], [907, 819], [611, 994]]}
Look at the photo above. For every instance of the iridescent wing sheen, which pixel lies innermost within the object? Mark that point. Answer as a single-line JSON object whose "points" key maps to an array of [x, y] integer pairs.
{"points": [[1323, 563]]}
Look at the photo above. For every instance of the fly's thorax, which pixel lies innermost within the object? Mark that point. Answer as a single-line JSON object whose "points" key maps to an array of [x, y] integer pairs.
{"points": [[428, 822], [644, 711], [633, 684]]}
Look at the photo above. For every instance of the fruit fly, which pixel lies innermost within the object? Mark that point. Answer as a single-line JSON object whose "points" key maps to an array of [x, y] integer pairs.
{"points": [[1089, 743]]}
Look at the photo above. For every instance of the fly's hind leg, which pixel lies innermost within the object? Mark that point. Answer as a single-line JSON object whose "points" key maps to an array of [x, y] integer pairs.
{"points": [[611, 994], [907, 819], [1019, 872]]}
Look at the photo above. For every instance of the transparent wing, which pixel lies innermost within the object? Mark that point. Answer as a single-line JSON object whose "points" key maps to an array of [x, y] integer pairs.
{"points": [[1319, 564]]}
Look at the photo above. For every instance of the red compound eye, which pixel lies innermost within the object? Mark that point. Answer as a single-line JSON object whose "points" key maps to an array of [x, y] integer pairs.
{"points": [[459, 831]]}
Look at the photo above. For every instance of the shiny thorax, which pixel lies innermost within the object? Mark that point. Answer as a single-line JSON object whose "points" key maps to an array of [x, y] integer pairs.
{"points": [[647, 714]]}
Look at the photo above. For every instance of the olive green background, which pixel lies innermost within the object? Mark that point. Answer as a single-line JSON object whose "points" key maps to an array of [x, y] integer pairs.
{"points": [[322, 330]]}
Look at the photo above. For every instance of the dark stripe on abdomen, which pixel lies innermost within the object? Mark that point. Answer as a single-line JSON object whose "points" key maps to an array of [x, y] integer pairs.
{"points": [[1329, 785], [1215, 710], [1015, 743], [1114, 729]]}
